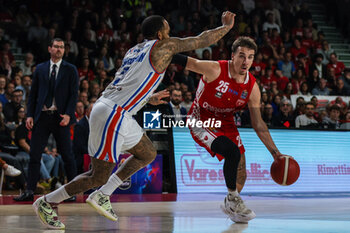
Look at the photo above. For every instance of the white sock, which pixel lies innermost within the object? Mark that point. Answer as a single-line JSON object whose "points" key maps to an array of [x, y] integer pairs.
{"points": [[232, 194], [57, 196], [112, 184]]}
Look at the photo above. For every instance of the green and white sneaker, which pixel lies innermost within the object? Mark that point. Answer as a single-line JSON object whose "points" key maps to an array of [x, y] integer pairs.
{"points": [[102, 204], [47, 214]]}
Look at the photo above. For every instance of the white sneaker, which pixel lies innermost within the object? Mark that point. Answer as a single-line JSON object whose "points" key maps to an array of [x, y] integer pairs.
{"points": [[235, 208], [12, 171], [102, 204]]}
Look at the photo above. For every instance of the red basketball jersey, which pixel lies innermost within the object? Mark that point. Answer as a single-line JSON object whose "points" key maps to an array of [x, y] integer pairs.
{"points": [[222, 97]]}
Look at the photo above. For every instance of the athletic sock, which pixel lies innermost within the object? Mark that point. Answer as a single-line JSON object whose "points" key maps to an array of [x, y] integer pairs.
{"points": [[232, 194], [57, 196], [112, 184]]}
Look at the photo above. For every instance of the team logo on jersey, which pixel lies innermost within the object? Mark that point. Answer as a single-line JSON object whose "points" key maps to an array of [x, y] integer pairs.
{"points": [[244, 94], [218, 94], [240, 102], [151, 120]]}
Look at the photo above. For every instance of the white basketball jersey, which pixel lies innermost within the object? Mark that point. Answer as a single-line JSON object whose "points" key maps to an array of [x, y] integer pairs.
{"points": [[136, 79]]}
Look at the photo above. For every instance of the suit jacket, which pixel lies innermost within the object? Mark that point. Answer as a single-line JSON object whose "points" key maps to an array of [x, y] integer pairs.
{"points": [[66, 90], [81, 137]]}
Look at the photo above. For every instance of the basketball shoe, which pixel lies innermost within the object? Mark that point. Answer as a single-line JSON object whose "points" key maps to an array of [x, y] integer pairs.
{"points": [[235, 208], [102, 204], [47, 213]]}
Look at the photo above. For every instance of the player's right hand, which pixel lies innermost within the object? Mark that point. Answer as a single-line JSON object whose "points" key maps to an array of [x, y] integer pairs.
{"points": [[228, 19], [29, 123]]}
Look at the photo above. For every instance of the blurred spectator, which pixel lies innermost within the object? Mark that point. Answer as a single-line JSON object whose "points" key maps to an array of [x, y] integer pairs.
{"points": [[288, 90], [187, 100], [304, 89], [337, 65], [10, 108], [176, 109], [297, 48], [3, 82], [79, 110], [345, 77], [276, 101], [188, 78], [346, 123], [284, 117], [287, 40], [73, 45], [103, 56], [117, 65], [84, 98], [326, 52], [313, 79], [95, 90], [317, 65], [269, 24], [307, 120], [267, 114], [85, 72], [26, 65], [26, 84], [68, 55], [309, 29], [259, 65], [297, 80], [219, 48], [304, 12], [340, 90], [248, 5], [272, 8], [5, 66], [332, 122], [298, 30], [268, 79], [321, 88], [80, 141], [207, 9], [287, 66], [36, 37]]}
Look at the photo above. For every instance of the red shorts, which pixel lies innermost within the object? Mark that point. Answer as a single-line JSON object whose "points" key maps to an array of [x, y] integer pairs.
{"points": [[205, 137]]}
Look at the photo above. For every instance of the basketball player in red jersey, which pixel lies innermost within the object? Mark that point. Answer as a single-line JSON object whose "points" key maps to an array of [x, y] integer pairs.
{"points": [[227, 87]]}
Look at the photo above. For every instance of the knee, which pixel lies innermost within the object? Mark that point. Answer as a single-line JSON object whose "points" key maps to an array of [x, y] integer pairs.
{"points": [[152, 154], [226, 147]]}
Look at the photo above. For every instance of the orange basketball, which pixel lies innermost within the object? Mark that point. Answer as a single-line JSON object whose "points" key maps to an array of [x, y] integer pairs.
{"points": [[285, 170]]}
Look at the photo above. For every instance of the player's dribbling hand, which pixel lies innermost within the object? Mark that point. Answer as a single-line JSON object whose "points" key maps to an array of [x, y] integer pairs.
{"points": [[278, 154], [228, 19]]}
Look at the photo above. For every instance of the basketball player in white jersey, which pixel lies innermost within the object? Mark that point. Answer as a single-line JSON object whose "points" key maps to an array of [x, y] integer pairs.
{"points": [[112, 128]]}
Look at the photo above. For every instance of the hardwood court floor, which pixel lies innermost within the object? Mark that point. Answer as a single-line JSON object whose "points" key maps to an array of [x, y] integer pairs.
{"points": [[188, 213]]}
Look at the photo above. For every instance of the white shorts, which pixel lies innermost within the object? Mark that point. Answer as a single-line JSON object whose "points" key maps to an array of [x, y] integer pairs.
{"points": [[112, 130]]}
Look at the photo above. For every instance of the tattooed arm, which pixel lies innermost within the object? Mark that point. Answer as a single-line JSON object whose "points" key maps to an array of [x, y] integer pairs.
{"points": [[165, 49]]}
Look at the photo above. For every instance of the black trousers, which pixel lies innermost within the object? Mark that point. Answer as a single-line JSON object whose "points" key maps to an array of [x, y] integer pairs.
{"points": [[49, 122]]}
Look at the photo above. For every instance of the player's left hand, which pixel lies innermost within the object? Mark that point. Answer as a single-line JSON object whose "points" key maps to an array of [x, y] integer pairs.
{"points": [[156, 98]]}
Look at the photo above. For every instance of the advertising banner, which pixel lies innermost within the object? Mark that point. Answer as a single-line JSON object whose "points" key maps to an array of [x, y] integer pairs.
{"points": [[323, 157]]}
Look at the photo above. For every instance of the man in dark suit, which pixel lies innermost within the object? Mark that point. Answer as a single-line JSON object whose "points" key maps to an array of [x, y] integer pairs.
{"points": [[178, 112], [80, 141], [50, 109]]}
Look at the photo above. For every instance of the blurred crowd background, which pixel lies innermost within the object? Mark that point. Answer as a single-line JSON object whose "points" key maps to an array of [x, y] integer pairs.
{"points": [[302, 65]]}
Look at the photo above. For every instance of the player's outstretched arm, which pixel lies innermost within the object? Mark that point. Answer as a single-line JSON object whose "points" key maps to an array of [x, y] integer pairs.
{"points": [[258, 123], [165, 49]]}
